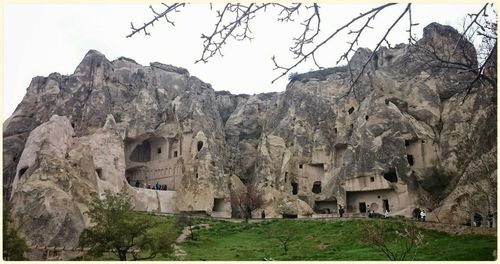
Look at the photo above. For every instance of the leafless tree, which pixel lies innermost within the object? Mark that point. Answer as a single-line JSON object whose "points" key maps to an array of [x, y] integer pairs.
{"points": [[398, 240], [234, 22], [473, 65], [283, 236], [186, 220], [248, 200], [478, 166]]}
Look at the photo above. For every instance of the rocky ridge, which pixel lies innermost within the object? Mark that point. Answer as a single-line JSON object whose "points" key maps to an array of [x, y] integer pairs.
{"points": [[394, 141]]}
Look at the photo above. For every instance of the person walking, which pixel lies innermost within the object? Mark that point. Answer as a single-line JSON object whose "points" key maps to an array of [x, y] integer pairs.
{"points": [[386, 214], [263, 214], [341, 211], [137, 184], [423, 215]]}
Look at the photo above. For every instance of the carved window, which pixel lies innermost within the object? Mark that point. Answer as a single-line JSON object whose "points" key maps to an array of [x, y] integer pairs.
{"points": [[99, 172], [295, 188], [411, 159], [199, 146], [316, 187], [22, 171]]}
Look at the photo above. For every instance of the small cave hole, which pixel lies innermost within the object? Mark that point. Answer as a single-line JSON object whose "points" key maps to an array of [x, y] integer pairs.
{"points": [[366, 117], [391, 175], [316, 187], [199, 146], [175, 154], [289, 216], [301, 166], [407, 143], [351, 110], [99, 172], [22, 171], [196, 175], [72, 125], [372, 179], [295, 188], [159, 151], [286, 176], [410, 159]]}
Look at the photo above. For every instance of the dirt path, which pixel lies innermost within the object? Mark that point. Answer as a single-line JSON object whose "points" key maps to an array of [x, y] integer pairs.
{"points": [[178, 251], [448, 228]]}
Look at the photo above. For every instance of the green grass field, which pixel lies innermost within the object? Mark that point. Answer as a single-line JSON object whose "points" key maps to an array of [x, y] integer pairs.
{"points": [[322, 240], [319, 240]]}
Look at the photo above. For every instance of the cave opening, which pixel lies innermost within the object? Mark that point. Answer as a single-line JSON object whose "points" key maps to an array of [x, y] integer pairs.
{"points": [[199, 146], [351, 110], [99, 173], [142, 152], [391, 175], [295, 188], [22, 171], [316, 187], [218, 205], [411, 159]]}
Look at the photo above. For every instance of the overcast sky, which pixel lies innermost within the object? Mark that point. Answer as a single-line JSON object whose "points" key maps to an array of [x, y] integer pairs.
{"points": [[43, 38]]}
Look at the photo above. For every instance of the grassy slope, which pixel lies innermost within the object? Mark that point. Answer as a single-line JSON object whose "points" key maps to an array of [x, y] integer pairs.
{"points": [[314, 240], [322, 240]]}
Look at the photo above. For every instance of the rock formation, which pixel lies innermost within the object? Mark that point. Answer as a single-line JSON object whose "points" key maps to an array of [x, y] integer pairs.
{"points": [[401, 138]]}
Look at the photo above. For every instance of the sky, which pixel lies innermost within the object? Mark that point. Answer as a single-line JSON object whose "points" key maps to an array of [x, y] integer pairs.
{"points": [[39, 39]]}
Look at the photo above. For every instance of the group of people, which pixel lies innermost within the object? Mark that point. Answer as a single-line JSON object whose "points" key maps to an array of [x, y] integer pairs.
{"points": [[157, 186]]}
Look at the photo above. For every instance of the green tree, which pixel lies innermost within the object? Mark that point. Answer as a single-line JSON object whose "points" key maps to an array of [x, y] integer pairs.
{"points": [[118, 229], [14, 246]]}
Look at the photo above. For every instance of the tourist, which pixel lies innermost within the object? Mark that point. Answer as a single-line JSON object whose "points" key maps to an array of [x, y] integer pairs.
{"points": [[477, 219], [423, 215], [145, 185], [490, 219], [157, 185], [263, 214], [341, 211], [137, 184], [386, 214]]}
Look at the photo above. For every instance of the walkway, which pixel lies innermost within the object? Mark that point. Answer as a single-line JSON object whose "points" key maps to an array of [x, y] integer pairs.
{"points": [[186, 232]]}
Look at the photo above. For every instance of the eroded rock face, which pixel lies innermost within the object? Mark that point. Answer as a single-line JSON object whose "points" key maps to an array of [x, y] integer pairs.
{"points": [[392, 142], [52, 189]]}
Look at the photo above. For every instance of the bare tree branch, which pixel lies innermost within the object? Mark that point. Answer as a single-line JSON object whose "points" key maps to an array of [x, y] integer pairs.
{"points": [[408, 7], [157, 17], [305, 56], [476, 16]]}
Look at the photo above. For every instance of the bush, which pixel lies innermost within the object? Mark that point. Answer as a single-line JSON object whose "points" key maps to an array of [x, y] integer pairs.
{"points": [[294, 76]]}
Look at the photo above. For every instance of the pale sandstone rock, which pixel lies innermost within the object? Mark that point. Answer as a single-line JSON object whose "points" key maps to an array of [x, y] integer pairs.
{"points": [[392, 142]]}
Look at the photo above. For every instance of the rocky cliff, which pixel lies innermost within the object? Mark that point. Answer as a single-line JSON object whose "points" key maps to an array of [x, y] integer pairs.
{"points": [[403, 137]]}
